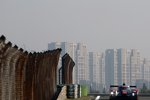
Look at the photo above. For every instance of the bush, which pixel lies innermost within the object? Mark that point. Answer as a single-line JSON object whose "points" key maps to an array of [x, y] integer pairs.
{"points": [[84, 90]]}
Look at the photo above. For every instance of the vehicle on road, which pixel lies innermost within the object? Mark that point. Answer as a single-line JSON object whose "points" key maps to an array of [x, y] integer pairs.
{"points": [[123, 92]]}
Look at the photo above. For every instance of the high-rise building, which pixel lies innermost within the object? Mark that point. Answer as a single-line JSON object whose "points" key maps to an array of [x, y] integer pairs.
{"points": [[135, 66], [145, 64], [122, 66], [82, 70], [102, 74], [128, 66], [96, 71], [111, 67], [116, 66]]}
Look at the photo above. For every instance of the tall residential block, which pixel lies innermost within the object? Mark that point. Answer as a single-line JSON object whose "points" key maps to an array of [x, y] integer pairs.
{"points": [[122, 66], [145, 64], [135, 66], [96, 71], [82, 70], [111, 67]]}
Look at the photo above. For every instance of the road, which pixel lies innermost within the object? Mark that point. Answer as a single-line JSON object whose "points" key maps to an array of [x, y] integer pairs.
{"points": [[106, 96], [144, 98], [140, 98]]}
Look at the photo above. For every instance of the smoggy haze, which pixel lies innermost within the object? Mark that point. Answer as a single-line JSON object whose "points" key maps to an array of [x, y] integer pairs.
{"points": [[100, 24]]}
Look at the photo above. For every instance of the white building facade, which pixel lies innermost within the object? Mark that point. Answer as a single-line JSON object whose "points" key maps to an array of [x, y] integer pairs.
{"points": [[96, 71]]}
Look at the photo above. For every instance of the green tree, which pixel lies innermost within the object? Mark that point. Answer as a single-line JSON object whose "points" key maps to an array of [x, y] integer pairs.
{"points": [[84, 90], [144, 88]]}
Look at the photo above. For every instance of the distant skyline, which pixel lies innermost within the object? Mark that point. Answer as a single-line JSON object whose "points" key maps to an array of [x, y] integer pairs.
{"points": [[100, 24]]}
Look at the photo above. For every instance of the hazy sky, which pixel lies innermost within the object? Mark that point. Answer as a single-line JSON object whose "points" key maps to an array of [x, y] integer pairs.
{"points": [[100, 24]]}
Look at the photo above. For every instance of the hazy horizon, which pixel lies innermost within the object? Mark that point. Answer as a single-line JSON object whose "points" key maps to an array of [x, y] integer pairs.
{"points": [[100, 24]]}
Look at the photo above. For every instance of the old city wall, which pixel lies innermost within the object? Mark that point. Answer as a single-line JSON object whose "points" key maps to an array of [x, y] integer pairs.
{"points": [[25, 75]]}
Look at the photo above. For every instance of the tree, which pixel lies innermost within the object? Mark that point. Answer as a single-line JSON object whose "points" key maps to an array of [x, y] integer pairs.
{"points": [[84, 90], [144, 89]]}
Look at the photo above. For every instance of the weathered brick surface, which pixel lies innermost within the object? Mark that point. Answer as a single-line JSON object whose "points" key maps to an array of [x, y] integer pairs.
{"points": [[67, 69], [27, 76]]}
